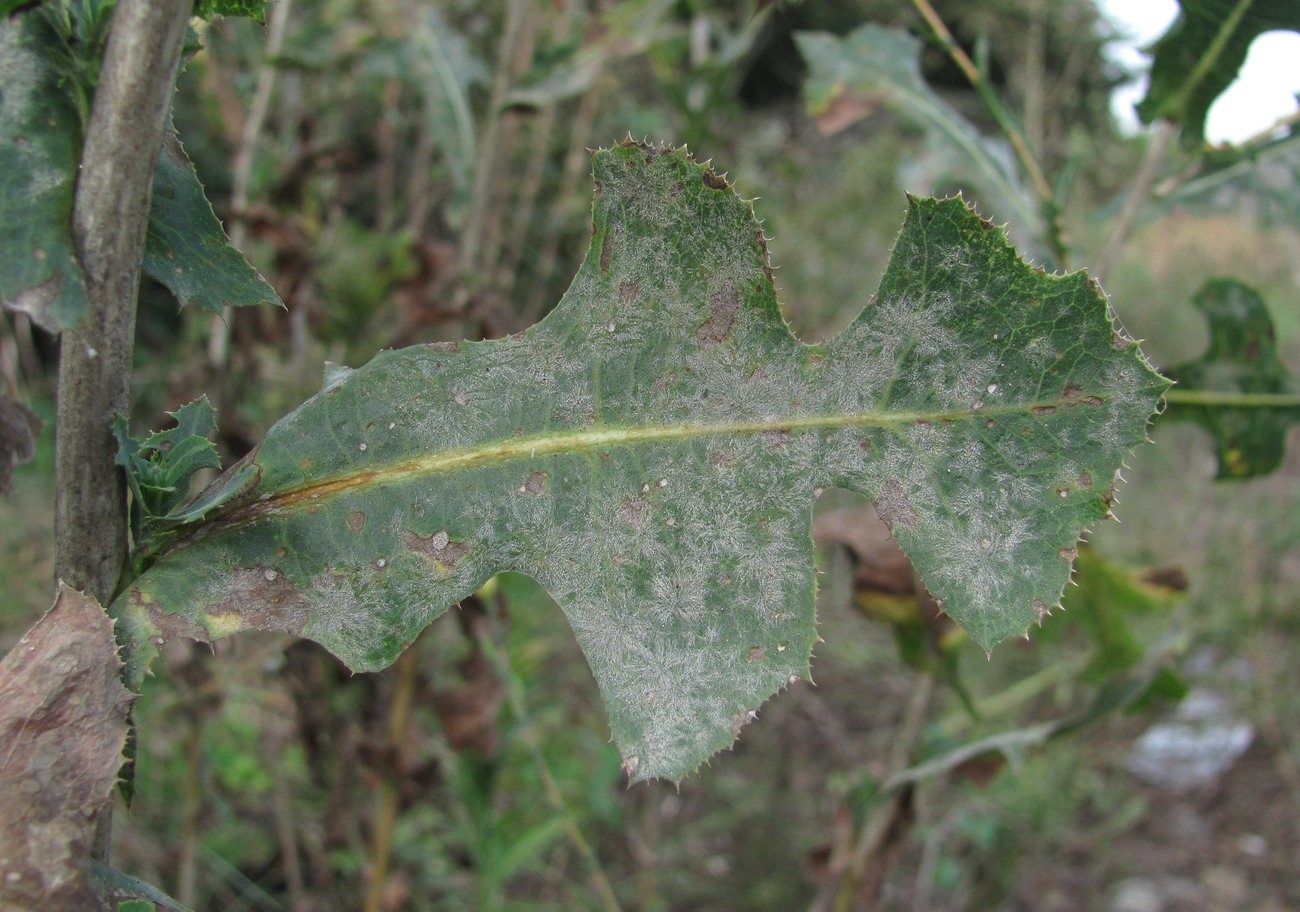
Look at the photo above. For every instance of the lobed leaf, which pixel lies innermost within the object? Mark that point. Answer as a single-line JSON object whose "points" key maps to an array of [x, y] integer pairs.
{"points": [[651, 450], [1239, 390], [1201, 54]]}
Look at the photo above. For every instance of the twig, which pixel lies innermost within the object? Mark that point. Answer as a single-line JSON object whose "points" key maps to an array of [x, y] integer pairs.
{"points": [[1138, 195]]}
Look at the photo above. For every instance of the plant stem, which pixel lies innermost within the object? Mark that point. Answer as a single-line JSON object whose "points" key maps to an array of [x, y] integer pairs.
{"points": [[500, 659], [109, 219], [1228, 399], [1211, 56], [219, 341]]}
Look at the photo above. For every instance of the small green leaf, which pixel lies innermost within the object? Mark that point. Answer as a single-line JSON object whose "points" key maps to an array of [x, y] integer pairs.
{"points": [[250, 9], [1239, 390], [186, 248], [1201, 54], [650, 453]]}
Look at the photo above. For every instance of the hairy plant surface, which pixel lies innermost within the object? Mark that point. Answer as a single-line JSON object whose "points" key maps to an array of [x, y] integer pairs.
{"points": [[651, 450]]}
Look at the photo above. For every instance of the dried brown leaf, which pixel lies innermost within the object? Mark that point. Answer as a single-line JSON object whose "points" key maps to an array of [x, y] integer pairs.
{"points": [[63, 727]]}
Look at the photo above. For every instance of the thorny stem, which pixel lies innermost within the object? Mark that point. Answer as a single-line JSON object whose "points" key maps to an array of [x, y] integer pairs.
{"points": [[1027, 159]]}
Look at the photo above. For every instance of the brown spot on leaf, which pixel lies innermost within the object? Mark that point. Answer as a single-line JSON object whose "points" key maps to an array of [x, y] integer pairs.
{"points": [[724, 304], [777, 441], [439, 547], [757, 653], [1073, 395], [535, 483], [1043, 411], [1068, 554], [356, 520], [894, 506], [606, 251], [865, 444], [449, 347], [713, 180], [724, 459], [635, 510], [1041, 610], [1084, 480], [628, 292]]}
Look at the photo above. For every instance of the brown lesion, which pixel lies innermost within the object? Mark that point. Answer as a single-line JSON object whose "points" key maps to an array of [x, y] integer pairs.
{"points": [[1074, 395], [714, 181], [895, 507], [356, 520], [445, 552], [724, 305], [535, 483], [606, 251]]}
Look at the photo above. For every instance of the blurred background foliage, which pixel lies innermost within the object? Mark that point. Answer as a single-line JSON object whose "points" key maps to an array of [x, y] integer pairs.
{"points": [[406, 171]]}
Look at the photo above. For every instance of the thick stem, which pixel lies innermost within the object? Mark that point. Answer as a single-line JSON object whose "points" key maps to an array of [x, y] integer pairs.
{"points": [[109, 220], [110, 216]]}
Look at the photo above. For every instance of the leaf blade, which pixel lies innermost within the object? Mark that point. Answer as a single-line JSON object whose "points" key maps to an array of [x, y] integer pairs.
{"points": [[650, 453]]}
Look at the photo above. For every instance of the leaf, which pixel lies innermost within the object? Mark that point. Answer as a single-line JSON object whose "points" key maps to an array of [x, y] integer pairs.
{"points": [[650, 451], [63, 726], [41, 133], [1239, 390], [1106, 597], [1200, 55], [186, 248], [40, 147], [848, 76]]}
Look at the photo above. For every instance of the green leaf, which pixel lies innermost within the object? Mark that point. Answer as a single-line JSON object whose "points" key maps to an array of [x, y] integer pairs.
{"points": [[1239, 390], [650, 452], [42, 88], [186, 248], [251, 9], [1201, 54], [874, 64], [40, 146]]}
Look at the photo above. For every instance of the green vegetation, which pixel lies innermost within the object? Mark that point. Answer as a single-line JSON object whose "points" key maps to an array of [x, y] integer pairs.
{"points": [[647, 454]]}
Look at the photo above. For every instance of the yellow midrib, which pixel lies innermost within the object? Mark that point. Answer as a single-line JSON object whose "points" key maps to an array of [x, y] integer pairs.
{"points": [[589, 439]]}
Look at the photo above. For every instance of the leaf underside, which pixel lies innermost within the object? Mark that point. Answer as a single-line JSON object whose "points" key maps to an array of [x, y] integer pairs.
{"points": [[650, 453]]}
